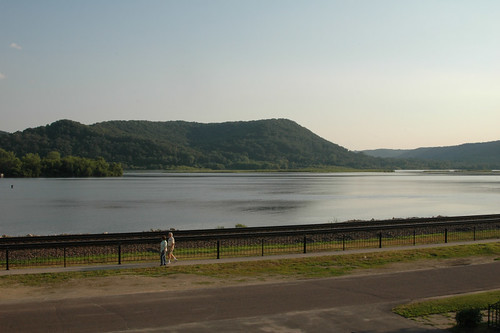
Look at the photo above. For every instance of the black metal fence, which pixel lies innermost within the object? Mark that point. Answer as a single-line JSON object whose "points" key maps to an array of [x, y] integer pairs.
{"points": [[79, 250], [494, 315]]}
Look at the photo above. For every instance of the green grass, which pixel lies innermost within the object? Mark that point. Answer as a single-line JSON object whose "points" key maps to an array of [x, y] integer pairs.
{"points": [[312, 267], [448, 304]]}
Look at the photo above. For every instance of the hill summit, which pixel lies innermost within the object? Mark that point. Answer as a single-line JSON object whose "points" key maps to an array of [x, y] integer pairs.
{"points": [[245, 145]]}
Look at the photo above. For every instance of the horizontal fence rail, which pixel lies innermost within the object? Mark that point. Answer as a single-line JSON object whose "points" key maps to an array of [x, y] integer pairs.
{"points": [[102, 249]]}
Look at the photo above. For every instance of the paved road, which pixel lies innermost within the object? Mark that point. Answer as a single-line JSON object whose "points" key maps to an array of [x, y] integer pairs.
{"points": [[345, 304]]}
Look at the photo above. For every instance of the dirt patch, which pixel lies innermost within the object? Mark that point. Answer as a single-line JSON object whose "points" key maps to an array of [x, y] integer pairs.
{"points": [[426, 264], [446, 321], [442, 321], [119, 285]]}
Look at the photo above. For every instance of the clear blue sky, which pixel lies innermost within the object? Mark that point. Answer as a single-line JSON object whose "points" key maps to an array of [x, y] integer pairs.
{"points": [[360, 73]]}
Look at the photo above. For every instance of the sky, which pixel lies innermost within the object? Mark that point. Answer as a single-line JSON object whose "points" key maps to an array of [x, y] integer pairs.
{"points": [[363, 74]]}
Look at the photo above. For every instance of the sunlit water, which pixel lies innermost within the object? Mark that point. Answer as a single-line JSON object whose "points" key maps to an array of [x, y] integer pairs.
{"points": [[141, 202]]}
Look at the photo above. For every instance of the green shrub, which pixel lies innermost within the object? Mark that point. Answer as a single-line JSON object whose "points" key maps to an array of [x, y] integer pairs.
{"points": [[469, 318]]}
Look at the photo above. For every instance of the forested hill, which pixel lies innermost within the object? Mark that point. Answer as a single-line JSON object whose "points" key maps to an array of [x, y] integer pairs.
{"points": [[262, 144], [484, 155]]}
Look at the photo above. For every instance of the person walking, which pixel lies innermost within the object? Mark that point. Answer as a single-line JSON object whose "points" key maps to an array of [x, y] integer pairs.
{"points": [[163, 251], [170, 247]]}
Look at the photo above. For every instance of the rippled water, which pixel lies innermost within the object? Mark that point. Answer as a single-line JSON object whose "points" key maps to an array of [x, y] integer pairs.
{"points": [[140, 202]]}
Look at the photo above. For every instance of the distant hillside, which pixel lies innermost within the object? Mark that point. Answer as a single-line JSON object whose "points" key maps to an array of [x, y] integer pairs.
{"points": [[471, 155], [3, 133], [385, 153], [262, 144]]}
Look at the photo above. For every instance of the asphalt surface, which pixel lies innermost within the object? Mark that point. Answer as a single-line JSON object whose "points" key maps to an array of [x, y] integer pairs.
{"points": [[343, 304]]}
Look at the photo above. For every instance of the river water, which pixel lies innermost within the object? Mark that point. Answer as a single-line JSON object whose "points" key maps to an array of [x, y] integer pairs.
{"points": [[150, 201]]}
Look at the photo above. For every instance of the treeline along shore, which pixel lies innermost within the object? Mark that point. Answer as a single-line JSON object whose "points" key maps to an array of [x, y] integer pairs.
{"points": [[53, 165]]}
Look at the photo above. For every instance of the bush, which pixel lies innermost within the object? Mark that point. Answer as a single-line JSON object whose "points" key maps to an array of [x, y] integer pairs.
{"points": [[469, 318]]}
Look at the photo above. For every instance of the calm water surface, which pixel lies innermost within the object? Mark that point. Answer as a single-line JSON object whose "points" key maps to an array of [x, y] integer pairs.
{"points": [[141, 202]]}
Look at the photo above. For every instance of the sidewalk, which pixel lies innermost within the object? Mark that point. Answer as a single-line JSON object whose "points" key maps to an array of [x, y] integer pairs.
{"points": [[229, 260]]}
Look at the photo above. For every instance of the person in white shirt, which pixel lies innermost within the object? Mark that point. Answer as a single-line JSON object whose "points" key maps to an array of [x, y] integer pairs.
{"points": [[170, 247]]}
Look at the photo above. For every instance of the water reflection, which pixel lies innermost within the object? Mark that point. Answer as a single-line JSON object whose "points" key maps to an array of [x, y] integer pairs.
{"points": [[140, 202], [272, 207]]}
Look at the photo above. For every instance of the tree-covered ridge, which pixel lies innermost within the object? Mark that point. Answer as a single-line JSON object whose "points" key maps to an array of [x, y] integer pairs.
{"points": [[263, 144], [485, 155], [52, 165], [276, 144]]}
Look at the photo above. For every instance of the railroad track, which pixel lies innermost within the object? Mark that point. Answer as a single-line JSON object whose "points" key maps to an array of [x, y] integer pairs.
{"points": [[356, 225]]}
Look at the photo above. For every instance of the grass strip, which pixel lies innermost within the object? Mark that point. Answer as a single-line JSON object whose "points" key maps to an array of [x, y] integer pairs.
{"points": [[448, 304]]}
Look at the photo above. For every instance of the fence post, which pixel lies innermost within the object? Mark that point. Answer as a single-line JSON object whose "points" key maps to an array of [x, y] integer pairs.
{"points": [[343, 242], [262, 247], [446, 235], [7, 259], [414, 237], [64, 249], [489, 315], [218, 249], [474, 233], [119, 254], [380, 240], [305, 246]]}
